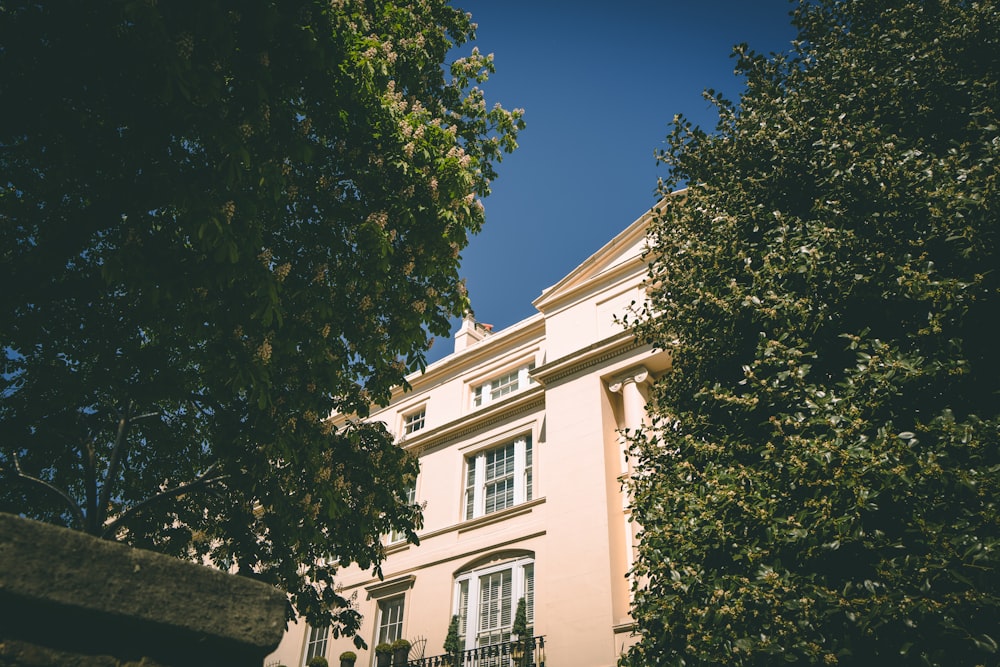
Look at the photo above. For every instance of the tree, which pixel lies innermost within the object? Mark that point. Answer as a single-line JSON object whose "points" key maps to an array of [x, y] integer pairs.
{"points": [[219, 222], [819, 480]]}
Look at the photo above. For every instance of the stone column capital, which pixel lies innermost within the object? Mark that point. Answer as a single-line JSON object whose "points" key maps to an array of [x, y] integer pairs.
{"points": [[638, 375]]}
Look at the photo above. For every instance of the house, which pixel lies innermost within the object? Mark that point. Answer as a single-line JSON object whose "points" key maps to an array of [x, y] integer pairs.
{"points": [[521, 460]]}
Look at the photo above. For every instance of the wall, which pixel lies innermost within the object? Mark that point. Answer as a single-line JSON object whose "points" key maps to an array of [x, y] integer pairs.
{"points": [[71, 600], [575, 527]]}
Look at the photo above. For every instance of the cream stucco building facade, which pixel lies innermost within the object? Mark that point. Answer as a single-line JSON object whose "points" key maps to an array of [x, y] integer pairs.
{"points": [[518, 437]]}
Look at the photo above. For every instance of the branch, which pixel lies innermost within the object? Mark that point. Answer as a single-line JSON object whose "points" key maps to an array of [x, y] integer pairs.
{"points": [[200, 410], [204, 479], [198, 401], [90, 481], [113, 464], [73, 505]]}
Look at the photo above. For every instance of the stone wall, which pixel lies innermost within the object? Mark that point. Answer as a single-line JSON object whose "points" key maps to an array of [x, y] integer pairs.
{"points": [[71, 600]]}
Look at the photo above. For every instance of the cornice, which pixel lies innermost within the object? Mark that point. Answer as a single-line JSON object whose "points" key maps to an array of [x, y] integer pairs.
{"points": [[597, 353], [589, 271], [495, 517], [463, 555], [456, 363], [477, 420], [382, 587], [626, 626], [472, 524], [560, 297]]}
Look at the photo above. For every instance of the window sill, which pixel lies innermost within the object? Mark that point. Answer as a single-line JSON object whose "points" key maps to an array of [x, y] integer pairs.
{"points": [[502, 515], [397, 546], [472, 524], [624, 626]]}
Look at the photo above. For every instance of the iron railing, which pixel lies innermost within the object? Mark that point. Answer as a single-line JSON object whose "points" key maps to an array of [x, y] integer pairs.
{"points": [[528, 652]]}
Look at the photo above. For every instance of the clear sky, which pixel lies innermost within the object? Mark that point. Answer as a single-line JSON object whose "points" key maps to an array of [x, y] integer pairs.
{"points": [[600, 83]]}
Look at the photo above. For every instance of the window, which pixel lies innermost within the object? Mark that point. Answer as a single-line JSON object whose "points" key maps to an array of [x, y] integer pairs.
{"points": [[390, 620], [316, 644], [389, 612], [486, 599], [411, 498], [501, 386], [414, 421], [498, 478]]}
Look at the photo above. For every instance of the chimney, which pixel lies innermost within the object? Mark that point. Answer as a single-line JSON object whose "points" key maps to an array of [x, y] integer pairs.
{"points": [[471, 332]]}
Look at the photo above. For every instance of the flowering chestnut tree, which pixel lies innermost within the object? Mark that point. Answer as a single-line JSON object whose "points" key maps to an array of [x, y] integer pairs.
{"points": [[221, 220], [821, 477]]}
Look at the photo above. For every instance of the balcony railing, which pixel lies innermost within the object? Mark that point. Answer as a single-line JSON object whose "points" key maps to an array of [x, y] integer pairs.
{"points": [[529, 652]]}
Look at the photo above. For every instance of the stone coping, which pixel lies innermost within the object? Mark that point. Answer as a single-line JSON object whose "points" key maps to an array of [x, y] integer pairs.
{"points": [[70, 591]]}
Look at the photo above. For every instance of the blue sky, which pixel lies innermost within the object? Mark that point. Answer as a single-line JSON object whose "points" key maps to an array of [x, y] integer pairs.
{"points": [[599, 82]]}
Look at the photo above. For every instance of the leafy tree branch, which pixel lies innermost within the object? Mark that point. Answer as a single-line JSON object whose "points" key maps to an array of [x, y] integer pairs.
{"points": [[71, 504], [207, 478]]}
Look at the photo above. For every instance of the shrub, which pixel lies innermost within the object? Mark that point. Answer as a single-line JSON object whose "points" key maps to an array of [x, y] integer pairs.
{"points": [[451, 645]]}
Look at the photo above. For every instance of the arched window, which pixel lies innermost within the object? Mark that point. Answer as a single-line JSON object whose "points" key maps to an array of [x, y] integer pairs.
{"points": [[486, 599]]}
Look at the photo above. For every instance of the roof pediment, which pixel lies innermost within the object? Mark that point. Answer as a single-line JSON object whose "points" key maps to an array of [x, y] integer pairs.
{"points": [[622, 253]]}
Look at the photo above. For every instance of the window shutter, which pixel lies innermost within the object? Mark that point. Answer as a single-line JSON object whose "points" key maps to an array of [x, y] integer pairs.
{"points": [[529, 592], [507, 613], [528, 481], [485, 608], [463, 607], [486, 601], [470, 489]]}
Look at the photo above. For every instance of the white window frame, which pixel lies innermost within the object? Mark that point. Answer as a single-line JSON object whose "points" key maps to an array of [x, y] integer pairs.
{"points": [[481, 474], [414, 421], [316, 643], [502, 385], [389, 629], [468, 603]]}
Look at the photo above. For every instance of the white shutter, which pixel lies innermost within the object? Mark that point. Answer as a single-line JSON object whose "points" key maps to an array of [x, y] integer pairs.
{"points": [[528, 468], [463, 607], [529, 592], [489, 593], [470, 488], [506, 602], [495, 612], [486, 601]]}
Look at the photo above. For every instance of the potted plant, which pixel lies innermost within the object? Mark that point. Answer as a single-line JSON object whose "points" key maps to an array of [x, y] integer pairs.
{"points": [[383, 655], [400, 652], [317, 661], [347, 658], [452, 646]]}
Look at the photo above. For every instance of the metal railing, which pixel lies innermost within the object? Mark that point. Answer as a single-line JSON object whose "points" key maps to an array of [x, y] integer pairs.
{"points": [[528, 652]]}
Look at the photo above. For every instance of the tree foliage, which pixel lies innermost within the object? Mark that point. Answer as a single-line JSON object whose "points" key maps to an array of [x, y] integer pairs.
{"points": [[220, 221], [820, 479]]}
